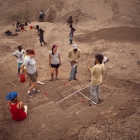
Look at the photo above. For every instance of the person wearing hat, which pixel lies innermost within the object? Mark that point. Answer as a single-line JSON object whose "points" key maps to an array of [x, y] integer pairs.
{"points": [[74, 56], [16, 107], [96, 76]]}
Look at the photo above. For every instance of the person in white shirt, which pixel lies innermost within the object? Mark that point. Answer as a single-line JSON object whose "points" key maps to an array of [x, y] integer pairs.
{"points": [[41, 16], [30, 64], [54, 62], [41, 12], [19, 54]]}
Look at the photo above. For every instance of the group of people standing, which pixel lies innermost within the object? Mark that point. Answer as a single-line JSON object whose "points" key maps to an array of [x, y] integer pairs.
{"points": [[74, 56], [28, 66]]}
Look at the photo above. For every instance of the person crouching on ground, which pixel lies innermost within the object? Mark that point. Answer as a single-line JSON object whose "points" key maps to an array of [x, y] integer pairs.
{"points": [[54, 62], [74, 56], [19, 54], [96, 76], [16, 107], [30, 64]]}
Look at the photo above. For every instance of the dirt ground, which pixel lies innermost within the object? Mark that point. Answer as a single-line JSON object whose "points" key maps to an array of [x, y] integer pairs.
{"points": [[108, 26]]}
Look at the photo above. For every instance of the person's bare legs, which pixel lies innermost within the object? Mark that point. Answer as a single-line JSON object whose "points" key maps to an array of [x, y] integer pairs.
{"points": [[28, 80], [33, 85], [18, 72], [40, 43], [56, 73], [44, 43], [32, 88], [52, 74]]}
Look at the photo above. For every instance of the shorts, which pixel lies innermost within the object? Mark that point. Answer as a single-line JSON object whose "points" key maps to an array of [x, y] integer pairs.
{"points": [[19, 64], [33, 77], [55, 65]]}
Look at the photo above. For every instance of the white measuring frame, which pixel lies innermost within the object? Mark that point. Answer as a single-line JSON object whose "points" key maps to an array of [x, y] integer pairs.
{"points": [[78, 91]]}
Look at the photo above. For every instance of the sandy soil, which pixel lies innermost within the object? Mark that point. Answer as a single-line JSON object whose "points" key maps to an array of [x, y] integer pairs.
{"points": [[106, 26]]}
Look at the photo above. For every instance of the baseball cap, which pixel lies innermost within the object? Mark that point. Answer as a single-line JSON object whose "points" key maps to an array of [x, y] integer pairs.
{"points": [[12, 95], [75, 46]]}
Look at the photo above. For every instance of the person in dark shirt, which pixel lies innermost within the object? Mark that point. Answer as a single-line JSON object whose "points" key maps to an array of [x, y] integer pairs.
{"points": [[37, 27], [41, 34], [72, 30], [70, 20]]}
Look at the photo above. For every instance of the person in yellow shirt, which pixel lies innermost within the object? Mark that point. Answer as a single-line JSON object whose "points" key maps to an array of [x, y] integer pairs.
{"points": [[74, 56], [96, 76]]}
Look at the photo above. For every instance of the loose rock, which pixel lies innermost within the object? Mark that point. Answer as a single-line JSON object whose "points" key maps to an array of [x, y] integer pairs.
{"points": [[110, 67], [124, 67], [138, 62]]}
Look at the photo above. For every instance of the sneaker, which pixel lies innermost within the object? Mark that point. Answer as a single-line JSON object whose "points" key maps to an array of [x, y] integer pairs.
{"points": [[69, 79], [29, 95], [75, 79], [56, 78], [45, 43], [91, 103], [36, 91], [51, 79]]}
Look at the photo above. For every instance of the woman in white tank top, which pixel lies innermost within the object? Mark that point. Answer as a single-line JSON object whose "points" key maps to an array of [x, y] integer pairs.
{"points": [[54, 62]]}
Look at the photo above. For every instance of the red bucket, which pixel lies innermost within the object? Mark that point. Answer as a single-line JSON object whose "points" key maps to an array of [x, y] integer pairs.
{"points": [[31, 26], [22, 77]]}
